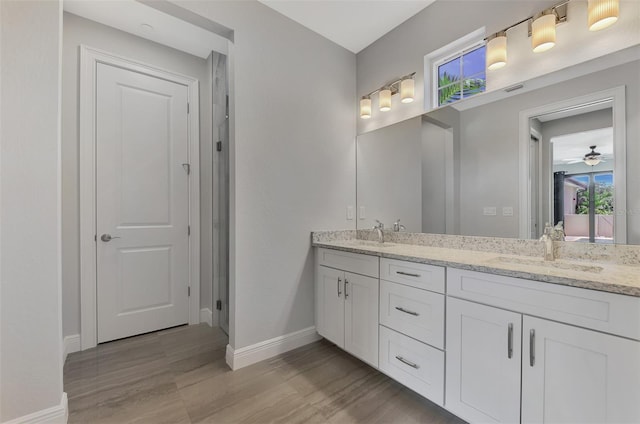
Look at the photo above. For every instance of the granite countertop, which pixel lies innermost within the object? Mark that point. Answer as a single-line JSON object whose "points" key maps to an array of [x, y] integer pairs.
{"points": [[601, 276]]}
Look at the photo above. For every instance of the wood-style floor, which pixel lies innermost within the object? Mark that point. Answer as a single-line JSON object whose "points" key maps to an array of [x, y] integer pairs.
{"points": [[180, 376]]}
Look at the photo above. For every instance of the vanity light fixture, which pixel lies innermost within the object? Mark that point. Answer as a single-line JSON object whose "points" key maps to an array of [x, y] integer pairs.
{"points": [[405, 86], [602, 13], [365, 107], [384, 99], [497, 51]]}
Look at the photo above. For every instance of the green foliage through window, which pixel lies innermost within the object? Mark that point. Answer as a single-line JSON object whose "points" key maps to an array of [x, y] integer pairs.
{"points": [[603, 200]]}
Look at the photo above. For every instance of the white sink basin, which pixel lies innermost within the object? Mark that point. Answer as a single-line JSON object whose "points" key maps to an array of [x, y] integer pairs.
{"points": [[548, 264]]}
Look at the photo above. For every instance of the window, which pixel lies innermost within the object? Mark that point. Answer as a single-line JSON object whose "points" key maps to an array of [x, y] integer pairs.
{"points": [[459, 76]]}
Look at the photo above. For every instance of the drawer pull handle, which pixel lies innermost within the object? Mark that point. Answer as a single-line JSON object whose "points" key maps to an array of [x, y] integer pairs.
{"points": [[339, 292], [408, 274], [404, 361], [510, 341], [415, 314], [532, 347]]}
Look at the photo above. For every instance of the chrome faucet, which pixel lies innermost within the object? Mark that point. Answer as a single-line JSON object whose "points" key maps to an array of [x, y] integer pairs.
{"points": [[379, 227], [397, 226], [558, 232], [547, 242]]}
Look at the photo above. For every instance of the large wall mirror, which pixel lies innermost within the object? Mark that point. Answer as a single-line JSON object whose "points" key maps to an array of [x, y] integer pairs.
{"points": [[507, 167]]}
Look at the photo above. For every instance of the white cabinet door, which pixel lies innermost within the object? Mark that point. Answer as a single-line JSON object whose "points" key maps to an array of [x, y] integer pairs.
{"points": [[361, 317], [483, 362], [570, 374], [330, 304]]}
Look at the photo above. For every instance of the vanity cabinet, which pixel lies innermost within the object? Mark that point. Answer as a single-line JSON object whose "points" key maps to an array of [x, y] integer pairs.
{"points": [[562, 373], [571, 374], [347, 303], [483, 362]]}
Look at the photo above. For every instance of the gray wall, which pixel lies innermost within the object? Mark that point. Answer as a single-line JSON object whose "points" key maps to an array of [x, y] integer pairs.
{"points": [[78, 31], [30, 306], [292, 162], [489, 150]]}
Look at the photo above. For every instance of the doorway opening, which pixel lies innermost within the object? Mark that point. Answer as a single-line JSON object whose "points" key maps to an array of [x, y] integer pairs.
{"points": [[184, 178]]}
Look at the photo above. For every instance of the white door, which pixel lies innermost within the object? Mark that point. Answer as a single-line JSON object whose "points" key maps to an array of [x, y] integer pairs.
{"points": [[573, 375], [330, 304], [361, 317], [142, 203], [483, 362]]}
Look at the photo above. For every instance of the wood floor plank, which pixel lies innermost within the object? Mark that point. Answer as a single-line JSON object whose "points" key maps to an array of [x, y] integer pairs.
{"points": [[180, 376]]}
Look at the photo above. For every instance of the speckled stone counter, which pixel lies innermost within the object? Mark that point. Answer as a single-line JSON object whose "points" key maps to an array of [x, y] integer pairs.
{"points": [[611, 268]]}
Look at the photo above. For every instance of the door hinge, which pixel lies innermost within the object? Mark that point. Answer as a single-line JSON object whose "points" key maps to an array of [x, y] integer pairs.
{"points": [[95, 237], [188, 107], [226, 107], [219, 305], [188, 230], [219, 146], [189, 291]]}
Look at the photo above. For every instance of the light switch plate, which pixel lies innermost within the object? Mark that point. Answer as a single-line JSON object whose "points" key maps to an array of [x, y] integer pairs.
{"points": [[507, 211], [363, 214], [489, 211], [349, 213]]}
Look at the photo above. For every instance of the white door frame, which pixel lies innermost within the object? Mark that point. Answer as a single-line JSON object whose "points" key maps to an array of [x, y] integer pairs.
{"points": [[89, 59], [617, 95]]}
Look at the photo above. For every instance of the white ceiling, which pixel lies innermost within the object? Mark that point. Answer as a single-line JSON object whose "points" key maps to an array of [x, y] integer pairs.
{"points": [[353, 24], [574, 146], [146, 22]]}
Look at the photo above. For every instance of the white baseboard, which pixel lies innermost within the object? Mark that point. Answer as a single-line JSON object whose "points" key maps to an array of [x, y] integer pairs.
{"points": [[58, 414], [245, 356], [70, 344], [206, 316]]}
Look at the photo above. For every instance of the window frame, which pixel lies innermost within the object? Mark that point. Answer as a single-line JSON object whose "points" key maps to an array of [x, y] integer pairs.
{"points": [[447, 51], [450, 56]]}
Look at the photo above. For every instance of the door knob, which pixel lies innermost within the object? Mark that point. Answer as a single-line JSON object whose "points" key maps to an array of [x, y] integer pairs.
{"points": [[107, 237]]}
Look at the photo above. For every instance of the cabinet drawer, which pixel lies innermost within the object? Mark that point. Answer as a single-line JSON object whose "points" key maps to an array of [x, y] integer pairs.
{"points": [[427, 277], [347, 261], [414, 312], [606, 312], [413, 364]]}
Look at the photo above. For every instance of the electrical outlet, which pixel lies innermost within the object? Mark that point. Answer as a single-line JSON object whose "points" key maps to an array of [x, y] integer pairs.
{"points": [[489, 211], [349, 213], [507, 211]]}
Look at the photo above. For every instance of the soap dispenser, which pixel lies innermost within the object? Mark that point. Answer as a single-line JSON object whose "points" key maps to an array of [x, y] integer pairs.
{"points": [[547, 240]]}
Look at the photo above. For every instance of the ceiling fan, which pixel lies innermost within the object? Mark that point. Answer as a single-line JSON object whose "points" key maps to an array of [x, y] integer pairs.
{"points": [[592, 158]]}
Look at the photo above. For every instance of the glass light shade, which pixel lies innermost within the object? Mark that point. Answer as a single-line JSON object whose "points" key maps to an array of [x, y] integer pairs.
{"points": [[407, 90], [497, 52], [602, 13], [385, 100], [365, 108], [592, 161], [543, 33]]}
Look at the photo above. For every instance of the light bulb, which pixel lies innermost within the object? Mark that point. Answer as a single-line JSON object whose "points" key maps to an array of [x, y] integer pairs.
{"points": [[543, 32], [497, 51], [385, 99], [407, 90], [602, 13], [365, 108]]}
